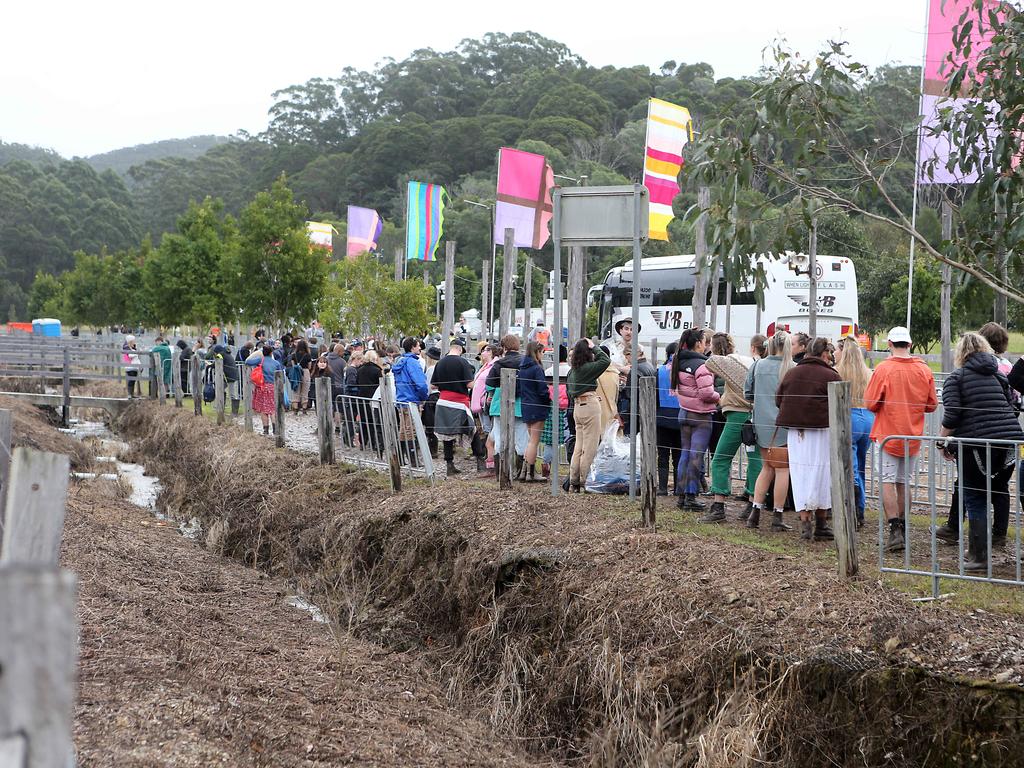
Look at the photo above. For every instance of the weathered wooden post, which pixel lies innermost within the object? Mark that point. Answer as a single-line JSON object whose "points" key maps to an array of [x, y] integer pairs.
{"points": [[648, 449], [324, 422], [65, 410], [389, 422], [398, 264], [34, 516], [527, 300], [176, 376], [161, 385], [279, 409], [509, 256], [507, 462], [38, 658], [841, 463], [218, 386], [5, 463], [153, 357], [197, 385], [246, 373]]}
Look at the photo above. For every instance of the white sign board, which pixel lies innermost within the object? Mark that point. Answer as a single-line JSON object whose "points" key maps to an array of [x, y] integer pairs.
{"points": [[603, 215]]}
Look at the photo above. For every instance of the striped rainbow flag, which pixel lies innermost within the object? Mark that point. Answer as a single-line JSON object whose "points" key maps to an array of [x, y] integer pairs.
{"points": [[669, 127], [424, 220]]}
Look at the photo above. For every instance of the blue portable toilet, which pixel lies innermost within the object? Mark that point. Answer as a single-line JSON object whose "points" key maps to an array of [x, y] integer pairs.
{"points": [[46, 326]]}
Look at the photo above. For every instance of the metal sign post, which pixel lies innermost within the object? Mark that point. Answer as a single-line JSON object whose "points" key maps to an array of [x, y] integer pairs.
{"points": [[600, 216]]}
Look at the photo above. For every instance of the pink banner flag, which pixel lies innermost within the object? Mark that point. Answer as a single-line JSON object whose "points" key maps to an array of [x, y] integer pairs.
{"points": [[524, 197], [940, 59]]}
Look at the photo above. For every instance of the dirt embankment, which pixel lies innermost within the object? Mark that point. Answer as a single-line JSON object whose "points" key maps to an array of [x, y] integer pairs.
{"points": [[563, 624], [191, 659]]}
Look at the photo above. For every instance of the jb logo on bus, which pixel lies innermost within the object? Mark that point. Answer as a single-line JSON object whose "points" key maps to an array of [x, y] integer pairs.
{"points": [[666, 320], [824, 302]]}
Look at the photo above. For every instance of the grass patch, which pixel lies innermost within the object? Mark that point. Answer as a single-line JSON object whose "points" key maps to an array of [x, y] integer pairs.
{"points": [[964, 595]]}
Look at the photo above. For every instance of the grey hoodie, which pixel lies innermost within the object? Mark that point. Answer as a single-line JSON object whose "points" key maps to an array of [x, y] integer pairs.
{"points": [[336, 365]]}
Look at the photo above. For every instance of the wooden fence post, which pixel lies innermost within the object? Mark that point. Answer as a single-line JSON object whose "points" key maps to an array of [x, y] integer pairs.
{"points": [[5, 463], [648, 449], [279, 385], [197, 385], [508, 434], [153, 357], [39, 658], [161, 385], [841, 464], [65, 410], [218, 384], [324, 422], [508, 294], [176, 376], [389, 420], [449, 293], [34, 517], [245, 372]]}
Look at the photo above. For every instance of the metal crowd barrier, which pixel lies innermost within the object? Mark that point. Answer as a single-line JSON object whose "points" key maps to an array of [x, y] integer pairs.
{"points": [[938, 505], [362, 435]]}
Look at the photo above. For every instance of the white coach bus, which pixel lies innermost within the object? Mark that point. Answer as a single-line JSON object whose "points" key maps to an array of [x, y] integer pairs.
{"points": [[666, 297]]}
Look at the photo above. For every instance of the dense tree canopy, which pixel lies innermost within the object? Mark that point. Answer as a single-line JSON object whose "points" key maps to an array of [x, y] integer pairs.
{"points": [[357, 136]]}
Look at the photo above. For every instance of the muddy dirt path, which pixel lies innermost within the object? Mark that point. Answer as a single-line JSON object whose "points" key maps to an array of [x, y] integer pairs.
{"points": [[190, 659]]}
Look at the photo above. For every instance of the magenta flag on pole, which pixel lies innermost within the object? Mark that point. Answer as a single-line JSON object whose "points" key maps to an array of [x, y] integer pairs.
{"points": [[364, 228], [524, 197], [933, 152]]}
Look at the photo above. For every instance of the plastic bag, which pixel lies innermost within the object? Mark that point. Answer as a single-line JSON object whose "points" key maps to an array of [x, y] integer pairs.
{"points": [[610, 471]]}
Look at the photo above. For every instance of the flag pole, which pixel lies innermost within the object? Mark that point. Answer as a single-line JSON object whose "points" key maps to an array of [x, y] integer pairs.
{"points": [[917, 165]]}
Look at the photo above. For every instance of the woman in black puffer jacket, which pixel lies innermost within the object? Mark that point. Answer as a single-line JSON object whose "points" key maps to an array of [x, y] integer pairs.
{"points": [[977, 403]]}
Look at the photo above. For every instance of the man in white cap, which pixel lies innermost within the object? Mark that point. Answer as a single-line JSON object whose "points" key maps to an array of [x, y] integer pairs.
{"points": [[901, 391]]}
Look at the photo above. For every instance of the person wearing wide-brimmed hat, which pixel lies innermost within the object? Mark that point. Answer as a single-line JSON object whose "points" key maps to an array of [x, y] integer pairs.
{"points": [[619, 342]]}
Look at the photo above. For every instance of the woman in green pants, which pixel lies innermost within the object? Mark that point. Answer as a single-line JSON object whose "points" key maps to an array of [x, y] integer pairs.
{"points": [[725, 363]]}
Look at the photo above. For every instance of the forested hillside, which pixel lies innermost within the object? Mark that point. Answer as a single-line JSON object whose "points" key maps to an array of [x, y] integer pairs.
{"points": [[120, 160], [357, 136]]}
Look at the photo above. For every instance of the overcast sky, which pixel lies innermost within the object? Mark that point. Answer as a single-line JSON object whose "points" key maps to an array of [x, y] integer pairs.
{"points": [[84, 78]]}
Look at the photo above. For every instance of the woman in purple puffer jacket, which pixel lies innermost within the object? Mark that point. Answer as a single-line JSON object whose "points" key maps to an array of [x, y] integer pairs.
{"points": [[695, 390]]}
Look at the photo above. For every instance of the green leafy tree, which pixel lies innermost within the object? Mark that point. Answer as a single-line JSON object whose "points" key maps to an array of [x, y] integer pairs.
{"points": [[46, 299], [362, 297], [185, 277], [275, 276]]}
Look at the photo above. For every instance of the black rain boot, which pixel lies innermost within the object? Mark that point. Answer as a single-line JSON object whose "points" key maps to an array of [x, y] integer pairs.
{"points": [[745, 514], [481, 464], [806, 530], [777, 525], [822, 531], [754, 519], [450, 468], [532, 473], [692, 503], [977, 561], [714, 515], [266, 430], [234, 407]]}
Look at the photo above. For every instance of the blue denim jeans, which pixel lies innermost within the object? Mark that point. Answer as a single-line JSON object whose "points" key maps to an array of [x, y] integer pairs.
{"points": [[861, 421], [976, 479]]}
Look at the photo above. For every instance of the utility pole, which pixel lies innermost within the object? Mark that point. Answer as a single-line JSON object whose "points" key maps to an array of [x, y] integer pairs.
{"points": [[700, 278], [485, 284], [510, 255], [527, 300], [945, 332], [812, 278], [449, 291]]}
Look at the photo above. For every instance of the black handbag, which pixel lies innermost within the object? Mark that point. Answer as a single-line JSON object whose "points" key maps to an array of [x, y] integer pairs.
{"points": [[747, 434]]}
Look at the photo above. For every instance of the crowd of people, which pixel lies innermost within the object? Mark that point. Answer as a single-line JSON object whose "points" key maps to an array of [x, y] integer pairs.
{"points": [[713, 401]]}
